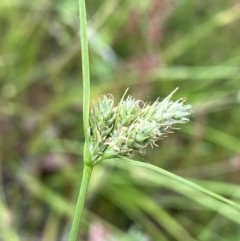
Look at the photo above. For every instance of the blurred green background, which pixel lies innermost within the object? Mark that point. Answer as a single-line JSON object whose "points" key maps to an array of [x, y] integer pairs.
{"points": [[152, 47]]}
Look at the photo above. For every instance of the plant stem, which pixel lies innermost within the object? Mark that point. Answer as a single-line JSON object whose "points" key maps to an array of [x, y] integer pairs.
{"points": [[185, 182], [87, 170], [85, 67], [86, 78], [80, 203]]}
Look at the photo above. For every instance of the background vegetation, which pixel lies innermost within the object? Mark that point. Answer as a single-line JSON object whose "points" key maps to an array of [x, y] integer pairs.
{"points": [[152, 47]]}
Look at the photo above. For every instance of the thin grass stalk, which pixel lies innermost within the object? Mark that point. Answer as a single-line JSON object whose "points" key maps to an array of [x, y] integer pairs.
{"points": [[85, 66], [86, 103], [185, 182], [80, 202]]}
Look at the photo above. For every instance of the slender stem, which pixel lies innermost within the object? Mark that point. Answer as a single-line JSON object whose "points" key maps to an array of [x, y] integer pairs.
{"points": [[85, 66], [86, 102], [80, 203], [183, 181], [86, 78]]}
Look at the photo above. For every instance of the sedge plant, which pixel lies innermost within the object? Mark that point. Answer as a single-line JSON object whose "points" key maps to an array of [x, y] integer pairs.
{"points": [[117, 131]]}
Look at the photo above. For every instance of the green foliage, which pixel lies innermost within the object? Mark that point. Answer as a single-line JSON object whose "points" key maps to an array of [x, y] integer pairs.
{"points": [[152, 48]]}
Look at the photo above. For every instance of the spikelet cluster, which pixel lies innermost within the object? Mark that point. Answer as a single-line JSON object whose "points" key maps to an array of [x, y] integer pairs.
{"points": [[132, 125]]}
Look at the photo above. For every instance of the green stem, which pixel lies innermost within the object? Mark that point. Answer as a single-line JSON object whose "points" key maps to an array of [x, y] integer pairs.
{"points": [[80, 203], [86, 103], [183, 181], [85, 67], [86, 78]]}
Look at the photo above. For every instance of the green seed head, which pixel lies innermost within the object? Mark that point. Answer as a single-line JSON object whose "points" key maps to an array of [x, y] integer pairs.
{"points": [[102, 119], [127, 111], [132, 125]]}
